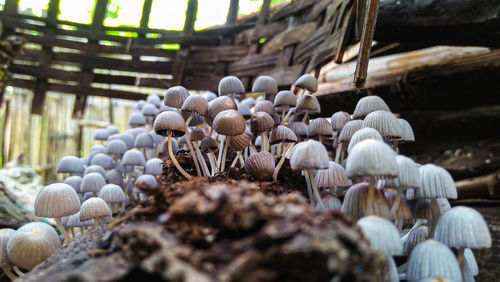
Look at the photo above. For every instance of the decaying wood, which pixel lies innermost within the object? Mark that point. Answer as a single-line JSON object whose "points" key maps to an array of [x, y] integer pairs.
{"points": [[485, 186], [288, 37]]}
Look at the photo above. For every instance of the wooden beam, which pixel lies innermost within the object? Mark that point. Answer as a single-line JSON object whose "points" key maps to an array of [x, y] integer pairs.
{"points": [[191, 12], [146, 10], [99, 13], [264, 12], [232, 14], [11, 6]]}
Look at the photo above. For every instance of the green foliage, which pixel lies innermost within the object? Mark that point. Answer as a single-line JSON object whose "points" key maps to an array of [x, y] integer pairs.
{"points": [[112, 9]]}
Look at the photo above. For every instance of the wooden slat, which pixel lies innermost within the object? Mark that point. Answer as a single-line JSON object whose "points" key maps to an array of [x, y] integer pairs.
{"points": [[306, 48], [252, 35], [232, 14], [288, 37], [253, 64], [285, 76], [202, 83], [292, 8], [217, 54], [191, 12]]}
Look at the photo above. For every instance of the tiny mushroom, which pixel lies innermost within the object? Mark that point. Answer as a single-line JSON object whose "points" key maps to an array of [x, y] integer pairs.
{"points": [[175, 96], [288, 101], [113, 195], [281, 135], [267, 85], [231, 86], [228, 123], [94, 208], [260, 165]]}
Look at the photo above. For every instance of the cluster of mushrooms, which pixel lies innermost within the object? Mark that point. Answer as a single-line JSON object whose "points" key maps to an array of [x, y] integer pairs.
{"points": [[350, 163]]}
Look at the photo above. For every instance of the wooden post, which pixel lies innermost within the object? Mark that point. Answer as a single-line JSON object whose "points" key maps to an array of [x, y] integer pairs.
{"points": [[146, 10], [232, 15], [11, 7], [370, 19], [191, 12]]}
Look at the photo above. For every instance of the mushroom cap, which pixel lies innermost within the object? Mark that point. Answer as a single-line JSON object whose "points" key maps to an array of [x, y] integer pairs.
{"points": [[146, 180], [231, 85], [249, 101], [386, 123], [92, 182], [403, 211], [32, 244], [407, 135], [154, 99], [103, 160], [133, 157], [144, 140], [463, 227], [285, 98], [244, 110], [348, 130], [307, 82], [281, 134], [436, 183], [195, 103], [175, 147], [265, 84], [154, 166], [415, 237], [363, 134], [169, 121], [372, 158], [117, 146], [128, 138], [175, 96], [74, 181], [164, 108], [101, 134], [338, 120], [432, 259], [208, 145], [229, 123], [308, 103], [114, 177], [5, 234], [112, 193], [332, 176], [112, 129], [309, 155], [319, 126], [57, 200], [149, 110], [409, 174], [260, 122], [265, 106], [330, 202], [74, 221], [260, 165], [136, 119], [382, 234], [113, 137], [95, 168], [422, 208], [135, 131], [367, 105], [195, 121], [94, 208], [240, 142], [139, 105], [218, 105], [299, 128], [197, 134], [210, 96], [156, 138], [70, 164], [355, 202]]}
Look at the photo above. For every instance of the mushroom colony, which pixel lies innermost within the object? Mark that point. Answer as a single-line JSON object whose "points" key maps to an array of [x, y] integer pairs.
{"points": [[350, 163]]}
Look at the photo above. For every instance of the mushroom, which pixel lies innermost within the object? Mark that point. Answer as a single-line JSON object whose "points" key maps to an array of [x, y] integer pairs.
{"points": [[145, 182], [299, 128], [154, 166], [210, 96], [338, 120], [154, 99], [114, 177], [238, 144], [103, 161], [307, 82], [75, 182], [407, 135], [94, 208], [136, 119], [70, 164], [113, 195], [129, 139], [260, 165], [95, 168], [175, 96], [386, 124], [331, 177], [56, 201], [422, 209], [309, 156], [194, 105], [228, 123], [281, 135], [415, 237], [362, 134], [244, 110], [32, 244], [267, 85], [231, 86], [355, 202], [101, 135], [209, 146], [260, 123], [116, 148], [345, 136], [139, 105], [265, 106], [131, 159], [320, 128], [143, 142], [171, 124], [75, 222], [374, 160], [5, 264], [287, 100], [135, 131], [249, 102], [112, 129], [408, 177], [307, 104], [92, 182], [402, 212], [330, 202], [149, 111], [367, 105]]}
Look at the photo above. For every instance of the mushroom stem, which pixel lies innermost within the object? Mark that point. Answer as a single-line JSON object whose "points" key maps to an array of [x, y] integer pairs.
{"points": [[306, 118], [129, 180], [61, 228], [309, 190], [226, 146], [242, 161], [18, 271], [213, 162], [395, 146], [201, 160], [174, 160], [9, 273], [221, 149], [371, 194], [337, 154], [253, 150], [435, 216], [190, 145], [236, 159], [319, 202], [282, 160], [320, 139], [285, 119], [395, 206], [96, 221], [283, 113], [264, 141], [460, 257]]}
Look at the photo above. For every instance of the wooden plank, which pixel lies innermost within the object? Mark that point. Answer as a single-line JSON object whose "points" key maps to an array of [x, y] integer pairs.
{"points": [[191, 12], [305, 49], [155, 83], [11, 6], [232, 14], [217, 54], [252, 35], [285, 57], [288, 37], [202, 83], [146, 11], [285, 76], [292, 8], [250, 64], [321, 6], [345, 35]]}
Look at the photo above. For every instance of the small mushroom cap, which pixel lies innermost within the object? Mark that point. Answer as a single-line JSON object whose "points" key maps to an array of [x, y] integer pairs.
{"points": [[133, 157], [260, 165], [372, 158], [117, 146], [92, 182], [144, 140], [265, 84], [407, 135], [415, 237], [309, 155], [386, 123], [94, 208], [308, 103], [249, 101], [348, 130], [135, 131], [403, 211], [195, 103], [32, 244], [281, 134], [355, 202], [112, 193], [74, 221], [169, 121], [154, 100], [229, 123], [139, 105], [362, 134], [156, 138], [260, 122], [208, 145], [319, 126], [240, 142], [136, 119], [57, 200], [330, 202], [114, 177], [175, 96], [75, 182], [382, 234], [197, 134], [195, 121], [103, 160], [332, 176], [218, 105], [231, 85], [299, 128], [5, 234], [112, 129], [307, 82], [154, 166], [265, 106], [367, 105], [210, 96], [432, 259], [409, 174], [285, 98], [146, 180], [244, 110], [70, 164], [95, 168], [101, 134], [463, 227], [128, 138], [338, 120], [436, 183], [149, 110], [422, 208]]}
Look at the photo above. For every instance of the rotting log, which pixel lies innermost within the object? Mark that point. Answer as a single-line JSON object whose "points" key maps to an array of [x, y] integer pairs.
{"points": [[481, 187]]}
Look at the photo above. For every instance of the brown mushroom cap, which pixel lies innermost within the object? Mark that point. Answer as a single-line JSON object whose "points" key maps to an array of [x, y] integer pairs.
{"points": [[307, 82], [197, 134], [265, 84], [265, 106], [308, 103], [175, 96], [208, 145], [260, 122], [332, 176], [169, 121], [285, 98], [260, 165], [195, 103], [240, 142], [229, 123], [319, 126], [231, 85], [218, 105], [355, 202], [281, 134]]}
